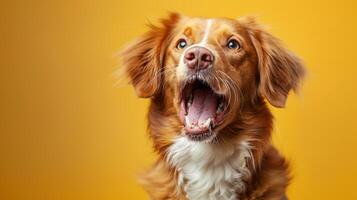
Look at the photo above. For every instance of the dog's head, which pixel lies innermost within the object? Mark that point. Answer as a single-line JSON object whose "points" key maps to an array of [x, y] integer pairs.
{"points": [[210, 69]]}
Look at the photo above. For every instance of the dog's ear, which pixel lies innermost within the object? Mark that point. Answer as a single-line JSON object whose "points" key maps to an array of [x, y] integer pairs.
{"points": [[143, 60], [279, 69]]}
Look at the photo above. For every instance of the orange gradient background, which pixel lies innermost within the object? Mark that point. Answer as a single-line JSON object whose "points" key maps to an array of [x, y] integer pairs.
{"points": [[68, 132]]}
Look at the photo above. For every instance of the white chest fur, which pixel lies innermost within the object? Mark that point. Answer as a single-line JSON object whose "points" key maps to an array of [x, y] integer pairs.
{"points": [[210, 171]]}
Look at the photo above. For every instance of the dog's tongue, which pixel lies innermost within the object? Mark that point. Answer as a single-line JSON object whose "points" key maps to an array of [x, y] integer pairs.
{"points": [[204, 106]]}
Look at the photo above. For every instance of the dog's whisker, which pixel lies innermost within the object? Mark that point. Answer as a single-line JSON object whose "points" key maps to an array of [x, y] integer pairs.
{"points": [[235, 89]]}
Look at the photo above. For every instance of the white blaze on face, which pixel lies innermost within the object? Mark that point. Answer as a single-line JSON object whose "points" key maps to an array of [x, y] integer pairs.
{"points": [[182, 69], [207, 30]]}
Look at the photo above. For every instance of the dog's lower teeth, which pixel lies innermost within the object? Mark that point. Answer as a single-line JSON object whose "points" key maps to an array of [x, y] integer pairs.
{"points": [[207, 123]]}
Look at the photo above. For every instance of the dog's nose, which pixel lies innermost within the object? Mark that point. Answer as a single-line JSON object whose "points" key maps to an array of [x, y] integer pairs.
{"points": [[198, 58]]}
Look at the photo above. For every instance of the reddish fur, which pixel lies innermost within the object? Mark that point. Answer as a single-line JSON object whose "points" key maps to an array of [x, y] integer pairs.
{"points": [[271, 72]]}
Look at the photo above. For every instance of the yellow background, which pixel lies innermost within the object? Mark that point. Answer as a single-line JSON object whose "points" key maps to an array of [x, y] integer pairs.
{"points": [[67, 132]]}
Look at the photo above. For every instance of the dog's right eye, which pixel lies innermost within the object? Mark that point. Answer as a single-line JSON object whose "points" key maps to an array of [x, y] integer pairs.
{"points": [[181, 44], [233, 44]]}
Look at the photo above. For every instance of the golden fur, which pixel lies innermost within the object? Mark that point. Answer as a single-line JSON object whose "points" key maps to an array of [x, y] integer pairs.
{"points": [[262, 69]]}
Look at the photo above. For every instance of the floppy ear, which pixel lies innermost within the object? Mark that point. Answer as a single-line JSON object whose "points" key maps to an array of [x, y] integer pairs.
{"points": [[143, 60], [279, 69]]}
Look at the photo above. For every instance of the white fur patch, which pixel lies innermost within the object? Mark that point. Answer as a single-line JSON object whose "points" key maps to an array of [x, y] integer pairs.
{"points": [[207, 31], [210, 171]]}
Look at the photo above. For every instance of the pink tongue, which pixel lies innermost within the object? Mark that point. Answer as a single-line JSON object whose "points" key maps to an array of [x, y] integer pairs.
{"points": [[204, 106]]}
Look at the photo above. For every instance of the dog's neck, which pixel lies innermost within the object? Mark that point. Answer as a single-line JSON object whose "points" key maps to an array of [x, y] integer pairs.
{"points": [[212, 170]]}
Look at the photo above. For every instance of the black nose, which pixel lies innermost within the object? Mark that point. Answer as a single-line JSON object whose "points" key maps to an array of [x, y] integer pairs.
{"points": [[198, 58]]}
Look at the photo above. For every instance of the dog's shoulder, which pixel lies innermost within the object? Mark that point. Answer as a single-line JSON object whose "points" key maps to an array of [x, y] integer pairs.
{"points": [[160, 182], [271, 180]]}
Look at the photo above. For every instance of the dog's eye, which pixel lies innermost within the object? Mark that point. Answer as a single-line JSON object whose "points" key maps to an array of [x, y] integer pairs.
{"points": [[181, 44], [233, 44]]}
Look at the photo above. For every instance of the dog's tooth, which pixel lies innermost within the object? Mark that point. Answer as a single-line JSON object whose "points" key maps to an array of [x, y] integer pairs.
{"points": [[192, 125], [189, 104], [210, 128], [186, 120], [207, 122], [220, 108], [200, 125], [220, 105]]}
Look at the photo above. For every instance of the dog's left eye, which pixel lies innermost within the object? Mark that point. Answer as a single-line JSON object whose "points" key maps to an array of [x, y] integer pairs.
{"points": [[233, 44], [181, 44]]}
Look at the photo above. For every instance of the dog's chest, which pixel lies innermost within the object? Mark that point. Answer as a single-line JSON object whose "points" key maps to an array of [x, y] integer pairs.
{"points": [[209, 171]]}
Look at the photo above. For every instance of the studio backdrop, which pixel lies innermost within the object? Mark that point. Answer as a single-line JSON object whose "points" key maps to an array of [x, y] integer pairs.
{"points": [[71, 128]]}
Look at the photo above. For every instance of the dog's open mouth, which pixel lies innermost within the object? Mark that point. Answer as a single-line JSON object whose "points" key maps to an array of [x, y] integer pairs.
{"points": [[201, 110]]}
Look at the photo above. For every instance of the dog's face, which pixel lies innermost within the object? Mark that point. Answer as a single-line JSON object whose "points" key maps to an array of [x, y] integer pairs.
{"points": [[211, 69]]}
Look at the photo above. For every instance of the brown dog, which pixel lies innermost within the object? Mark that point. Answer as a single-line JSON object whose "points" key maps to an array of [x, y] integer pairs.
{"points": [[207, 80]]}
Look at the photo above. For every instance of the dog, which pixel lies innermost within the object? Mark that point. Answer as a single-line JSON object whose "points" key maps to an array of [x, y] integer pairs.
{"points": [[209, 82]]}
